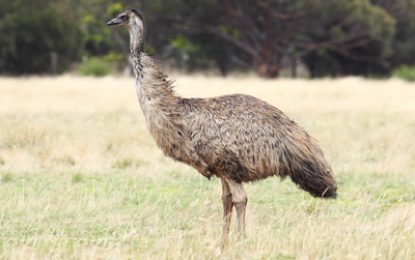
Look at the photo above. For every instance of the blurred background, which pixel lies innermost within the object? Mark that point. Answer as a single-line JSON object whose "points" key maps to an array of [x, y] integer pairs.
{"points": [[272, 38]]}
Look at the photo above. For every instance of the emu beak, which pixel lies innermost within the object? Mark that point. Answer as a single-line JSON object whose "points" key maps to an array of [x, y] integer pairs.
{"points": [[115, 21]]}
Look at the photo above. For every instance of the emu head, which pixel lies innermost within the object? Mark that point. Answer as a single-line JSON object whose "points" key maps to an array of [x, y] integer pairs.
{"points": [[133, 21], [130, 18]]}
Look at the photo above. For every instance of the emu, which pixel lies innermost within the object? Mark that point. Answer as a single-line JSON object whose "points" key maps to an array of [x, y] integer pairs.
{"points": [[237, 138]]}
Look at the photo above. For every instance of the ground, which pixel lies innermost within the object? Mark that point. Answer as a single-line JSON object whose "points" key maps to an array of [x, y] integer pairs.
{"points": [[81, 178]]}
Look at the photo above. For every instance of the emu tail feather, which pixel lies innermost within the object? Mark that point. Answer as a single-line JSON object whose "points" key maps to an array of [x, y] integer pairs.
{"points": [[312, 173], [319, 183]]}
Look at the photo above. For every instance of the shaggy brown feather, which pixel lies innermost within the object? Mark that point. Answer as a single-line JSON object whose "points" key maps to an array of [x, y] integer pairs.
{"points": [[237, 138]]}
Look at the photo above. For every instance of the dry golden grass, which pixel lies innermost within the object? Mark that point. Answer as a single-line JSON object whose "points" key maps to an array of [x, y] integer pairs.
{"points": [[81, 178]]}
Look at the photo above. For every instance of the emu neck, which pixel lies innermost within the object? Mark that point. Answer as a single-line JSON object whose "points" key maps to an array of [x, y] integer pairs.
{"points": [[136, 49], [153, 89]]}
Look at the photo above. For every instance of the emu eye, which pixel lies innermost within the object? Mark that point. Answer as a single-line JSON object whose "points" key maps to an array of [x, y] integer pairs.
{"points": [[124, 18]]}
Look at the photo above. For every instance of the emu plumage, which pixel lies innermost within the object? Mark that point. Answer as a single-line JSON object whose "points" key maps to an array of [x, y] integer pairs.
{"points": [[237, 138]]}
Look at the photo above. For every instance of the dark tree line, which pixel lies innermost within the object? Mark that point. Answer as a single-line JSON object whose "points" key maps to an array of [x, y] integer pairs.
{"points": [[330, 37]]}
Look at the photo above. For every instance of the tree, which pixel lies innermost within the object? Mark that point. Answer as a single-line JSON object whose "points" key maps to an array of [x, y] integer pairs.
{"points": [[261, 32], [35, 40], [403, 47], [331, 37], [264, 33], [349, 38]]}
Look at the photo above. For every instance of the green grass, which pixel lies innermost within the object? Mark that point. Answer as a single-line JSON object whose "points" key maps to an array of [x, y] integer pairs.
{"points": [[6, 177], [53, 215], [126, 163], [81, 177]]}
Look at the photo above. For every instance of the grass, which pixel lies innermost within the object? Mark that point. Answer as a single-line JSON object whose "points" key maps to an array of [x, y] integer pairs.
{"points": [[80, 177]]}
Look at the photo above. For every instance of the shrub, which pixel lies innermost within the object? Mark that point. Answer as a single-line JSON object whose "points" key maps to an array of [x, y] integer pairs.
{"points": [[95, 67], [405, 73]]}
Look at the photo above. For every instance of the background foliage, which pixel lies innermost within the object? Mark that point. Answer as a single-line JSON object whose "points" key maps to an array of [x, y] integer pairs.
{"points": [[330, 38]]}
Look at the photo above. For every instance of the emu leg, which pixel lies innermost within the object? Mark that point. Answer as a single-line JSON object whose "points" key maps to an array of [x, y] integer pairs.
{"points": [[227, 212], [239, 200]]}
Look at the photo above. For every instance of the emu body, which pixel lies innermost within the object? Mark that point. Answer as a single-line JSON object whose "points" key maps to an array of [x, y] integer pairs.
{"points": [[237, 138]]}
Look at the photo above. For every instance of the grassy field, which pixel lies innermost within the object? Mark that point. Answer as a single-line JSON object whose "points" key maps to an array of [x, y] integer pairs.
{"points": [[81, 178]]}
